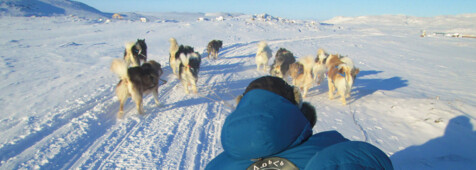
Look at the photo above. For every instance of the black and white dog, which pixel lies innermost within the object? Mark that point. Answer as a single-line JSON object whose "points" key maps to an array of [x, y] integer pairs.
{"points": [[136, 82], [213, 48], [281, 63], [189, 67], [135, 52]]}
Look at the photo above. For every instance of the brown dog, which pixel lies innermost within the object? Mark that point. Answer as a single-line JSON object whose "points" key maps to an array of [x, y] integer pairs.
{"points": [[136, 82], [300, 72]]}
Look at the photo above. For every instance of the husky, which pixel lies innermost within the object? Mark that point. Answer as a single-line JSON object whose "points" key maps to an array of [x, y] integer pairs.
{"points": [[295, 69], [335, 78], [319, 69], [136, 82], [174, 60], [302, 78], [213, 48], [263, 54], [350, 72], [135, 52], [189, 67], [280, 66]]}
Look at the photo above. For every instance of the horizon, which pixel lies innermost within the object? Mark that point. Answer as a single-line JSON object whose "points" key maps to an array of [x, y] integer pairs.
{"points": [[304, 9]]}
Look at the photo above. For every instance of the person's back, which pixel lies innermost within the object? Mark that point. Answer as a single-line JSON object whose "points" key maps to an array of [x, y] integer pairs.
{"points": [[272, 123]]}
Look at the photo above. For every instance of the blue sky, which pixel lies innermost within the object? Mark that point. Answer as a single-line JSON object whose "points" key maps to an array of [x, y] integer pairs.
{"points": [[298, 9]]}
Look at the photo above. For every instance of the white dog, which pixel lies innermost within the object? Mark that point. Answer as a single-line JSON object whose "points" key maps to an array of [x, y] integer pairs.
{"points": [[319, 69], [263, 54], [350, 72]]}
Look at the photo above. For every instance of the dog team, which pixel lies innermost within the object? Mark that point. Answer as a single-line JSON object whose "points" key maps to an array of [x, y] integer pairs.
{"points": [[340, 70], [137, 80]]}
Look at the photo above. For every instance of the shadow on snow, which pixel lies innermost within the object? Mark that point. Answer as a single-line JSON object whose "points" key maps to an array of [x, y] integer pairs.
{"points": [[454, 150]]}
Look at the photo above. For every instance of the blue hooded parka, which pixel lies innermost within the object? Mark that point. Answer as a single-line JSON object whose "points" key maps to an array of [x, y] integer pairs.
{"points": [[265, 124]]}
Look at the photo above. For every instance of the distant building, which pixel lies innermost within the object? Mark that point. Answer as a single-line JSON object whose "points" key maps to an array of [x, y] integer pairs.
{"points": [[143, 19], [117, 16]]}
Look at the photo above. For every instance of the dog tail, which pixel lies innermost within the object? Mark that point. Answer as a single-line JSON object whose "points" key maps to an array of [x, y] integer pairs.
{"points": [[348, 62], [262, 44], [333, 60], [184, 59], [174, 47], [129, 46], [345, 69], [307, 63], [321, 56], [119, 67]]}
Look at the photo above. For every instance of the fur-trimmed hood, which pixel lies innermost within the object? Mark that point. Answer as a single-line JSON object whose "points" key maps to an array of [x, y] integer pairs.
{"points": [[263, 124]]}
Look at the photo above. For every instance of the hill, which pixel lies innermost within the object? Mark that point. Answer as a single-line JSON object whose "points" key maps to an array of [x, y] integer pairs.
{"points": [[49, 8]]}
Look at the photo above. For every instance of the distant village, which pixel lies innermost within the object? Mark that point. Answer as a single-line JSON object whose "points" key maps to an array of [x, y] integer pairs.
{"points": [[443, 34]]}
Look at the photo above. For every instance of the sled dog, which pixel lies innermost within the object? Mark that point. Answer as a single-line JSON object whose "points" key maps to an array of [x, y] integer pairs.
{"points": [[303, 77], [189, 67], [135, 52], [335, 79], [319, 69], [136, 82], [280, 66], [213, 48], [263, 54], [174, 60], [350, 72]]}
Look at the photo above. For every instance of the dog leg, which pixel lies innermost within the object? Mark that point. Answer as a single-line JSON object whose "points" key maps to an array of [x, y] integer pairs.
{"points": [[319, 79], [342, 89], [172, 64], [137, 98], [156, 96], [185, 86], [348, 88], [120, 114], [122, 94], [343, 96], [194, 87], [314, 74], [331, 88]]}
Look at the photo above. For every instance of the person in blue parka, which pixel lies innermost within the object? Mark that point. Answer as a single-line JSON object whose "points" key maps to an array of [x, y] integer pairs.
{"points": [[271, 128]]}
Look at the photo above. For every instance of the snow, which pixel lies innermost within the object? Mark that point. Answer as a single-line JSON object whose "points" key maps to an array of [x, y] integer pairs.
{"points": [[414, 97]]}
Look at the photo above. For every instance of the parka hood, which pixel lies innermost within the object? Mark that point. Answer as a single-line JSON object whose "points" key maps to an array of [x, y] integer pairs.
{"points": [[263, 124]]}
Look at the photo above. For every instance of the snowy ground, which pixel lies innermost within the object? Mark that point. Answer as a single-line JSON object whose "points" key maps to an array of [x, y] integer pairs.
{"points": [[414, 97]]}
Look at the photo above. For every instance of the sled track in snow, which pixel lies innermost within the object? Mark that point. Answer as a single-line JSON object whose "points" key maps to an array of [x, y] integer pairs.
{"points": [[364, 133], [118, 135], [56, 122]]}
